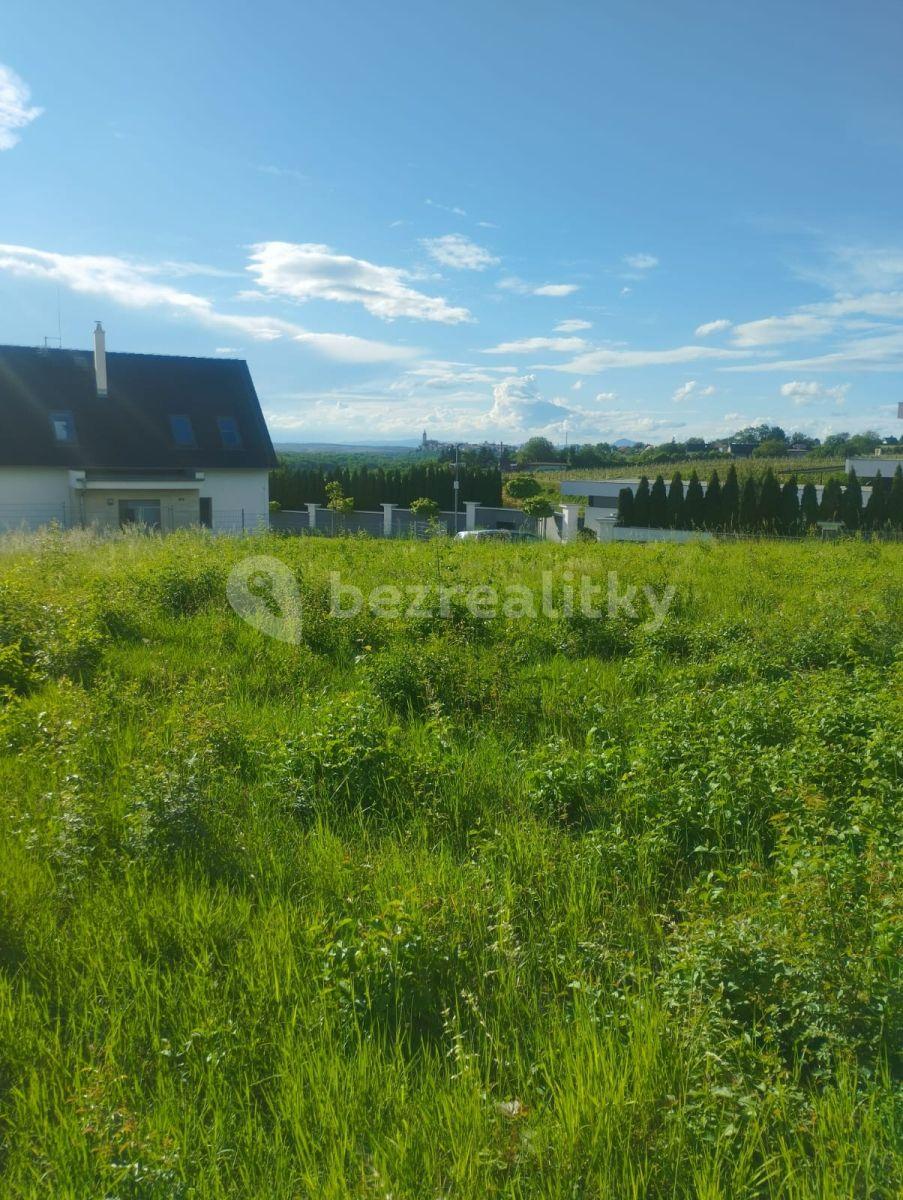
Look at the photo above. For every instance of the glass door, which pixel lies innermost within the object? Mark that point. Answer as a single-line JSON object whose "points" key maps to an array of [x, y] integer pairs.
{"points": [[140, 512]]}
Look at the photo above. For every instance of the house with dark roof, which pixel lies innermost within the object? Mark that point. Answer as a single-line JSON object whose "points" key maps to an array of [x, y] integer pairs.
{"points": [[115, 439]]}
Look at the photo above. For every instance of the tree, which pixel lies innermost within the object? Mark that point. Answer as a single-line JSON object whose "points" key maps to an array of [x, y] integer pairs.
{"points": [[537, 507], [730, 499], [519, 487], [809, 510], [337, 502], [851, 508], [790, 507], [658, 504], [876, 509], [537, 449], [625, 506], [641, 504], [694, 504], [770, 448], [770, 503], [831, 501], [748, 513], [895, 501], [676, 502], [713, 512]]}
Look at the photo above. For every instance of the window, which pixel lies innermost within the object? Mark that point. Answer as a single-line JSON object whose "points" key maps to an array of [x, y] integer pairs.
{"points": [[181, 428], [63, 425], [228, 431]]}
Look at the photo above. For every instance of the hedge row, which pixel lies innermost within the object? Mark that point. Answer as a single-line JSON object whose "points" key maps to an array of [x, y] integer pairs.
{"points": [[760, 505]]}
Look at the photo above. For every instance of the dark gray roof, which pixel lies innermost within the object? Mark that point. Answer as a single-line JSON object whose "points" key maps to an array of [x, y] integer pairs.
{"points": [[129, 428]]}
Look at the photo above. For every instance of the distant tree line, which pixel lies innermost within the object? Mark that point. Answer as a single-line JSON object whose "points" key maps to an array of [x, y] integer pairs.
{"points": [[768, 441], [760, 505], [293, 486]]}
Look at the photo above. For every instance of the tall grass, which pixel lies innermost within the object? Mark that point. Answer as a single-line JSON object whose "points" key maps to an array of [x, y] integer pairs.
{"points": [[440, 908]]}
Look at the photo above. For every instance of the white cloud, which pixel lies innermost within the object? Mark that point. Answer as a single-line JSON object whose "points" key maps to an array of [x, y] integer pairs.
{"points": [[606, 397], [718, 326], [641, 262], [456, 250], [562, 345], [308, 271], [685, 390], [449, 208], [134, 285], [518, 406], [707, 391], [602, 360], [573, 325], [16, 110], [625, 291], [227, 351], [771, 331], [804, 392], [577, 385], [511, 283], [556, 289]]}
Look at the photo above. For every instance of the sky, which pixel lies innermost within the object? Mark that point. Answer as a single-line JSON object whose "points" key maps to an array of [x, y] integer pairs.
{"points": [[586, 220]]}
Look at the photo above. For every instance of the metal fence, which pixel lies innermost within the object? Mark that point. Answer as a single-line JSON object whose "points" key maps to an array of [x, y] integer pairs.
{"points": [[31, 517]]}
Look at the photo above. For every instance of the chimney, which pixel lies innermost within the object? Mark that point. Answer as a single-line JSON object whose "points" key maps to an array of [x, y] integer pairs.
{"points": [[100, 359]]}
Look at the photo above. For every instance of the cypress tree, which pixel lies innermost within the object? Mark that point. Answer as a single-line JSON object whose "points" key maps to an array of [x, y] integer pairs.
{"points": [[894, 504], [809, 505], [875, 510], [831, 501], [676, 502], [730, 499], [694, 504], [641, 504], [625, 506], [790, 507], [769, 517], [748, 513], [851, 509], [658, 504], [714, 514]]}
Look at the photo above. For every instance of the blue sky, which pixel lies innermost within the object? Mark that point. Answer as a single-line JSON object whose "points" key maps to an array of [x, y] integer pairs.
{"points": [[580, 219]]}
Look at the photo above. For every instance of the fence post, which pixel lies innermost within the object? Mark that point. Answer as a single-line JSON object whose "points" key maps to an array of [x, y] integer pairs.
{"points": [[470, 513], [569, 514], [312, 515], [388, 513]]}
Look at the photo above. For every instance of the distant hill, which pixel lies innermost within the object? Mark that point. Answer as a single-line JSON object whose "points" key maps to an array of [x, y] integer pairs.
{"points": [[400, 447]]}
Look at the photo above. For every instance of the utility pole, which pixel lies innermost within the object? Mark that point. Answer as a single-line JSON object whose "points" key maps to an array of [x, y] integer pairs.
{"points": [[456, 485]]}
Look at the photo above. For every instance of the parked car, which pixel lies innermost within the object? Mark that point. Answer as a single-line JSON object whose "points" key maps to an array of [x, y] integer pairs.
{"points": [[486, 535]]}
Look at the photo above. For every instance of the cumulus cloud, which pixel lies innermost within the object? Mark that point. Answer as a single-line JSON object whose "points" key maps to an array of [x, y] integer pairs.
{"points": [[710, 327], [641, 262], [517, 405], [606, 397], [456, 250], [562, 345], [137, 285], [685, 390], [309, 271], [804, 392], [573, 325], [16, 109]]}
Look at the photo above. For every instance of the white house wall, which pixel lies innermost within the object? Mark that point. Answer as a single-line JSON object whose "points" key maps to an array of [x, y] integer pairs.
{"points": [[34, 496], [241, 499]]}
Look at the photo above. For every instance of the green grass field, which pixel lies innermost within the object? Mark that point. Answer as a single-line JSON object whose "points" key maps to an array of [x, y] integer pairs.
{"points": [[447, 907]]}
